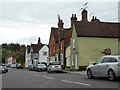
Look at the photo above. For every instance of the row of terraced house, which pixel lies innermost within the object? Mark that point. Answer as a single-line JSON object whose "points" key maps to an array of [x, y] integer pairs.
{"points": [[84, 42], [77, 46]]}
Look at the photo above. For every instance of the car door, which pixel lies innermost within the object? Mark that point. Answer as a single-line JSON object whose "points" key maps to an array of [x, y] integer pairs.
{"points": [[107, 62], [105, 65], [96, 68]]}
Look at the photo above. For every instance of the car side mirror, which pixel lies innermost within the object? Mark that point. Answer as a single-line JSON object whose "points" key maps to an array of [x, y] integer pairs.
{"points": [[94, 63]]}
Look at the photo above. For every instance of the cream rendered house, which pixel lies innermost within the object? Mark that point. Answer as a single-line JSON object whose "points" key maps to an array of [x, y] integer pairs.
{"points": [[27, 56]]}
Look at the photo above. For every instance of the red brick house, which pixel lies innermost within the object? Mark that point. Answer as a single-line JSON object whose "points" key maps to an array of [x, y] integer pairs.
{"points": [[59, 37]]}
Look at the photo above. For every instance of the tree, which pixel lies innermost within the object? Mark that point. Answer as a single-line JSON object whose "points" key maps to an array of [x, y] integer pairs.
{"points": [[4, 54], [21, 57]]}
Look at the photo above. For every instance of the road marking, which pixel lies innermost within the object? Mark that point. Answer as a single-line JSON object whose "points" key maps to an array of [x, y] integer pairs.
{"points": [[82, 83], [67, 81], [48, 77], [76, 83]]}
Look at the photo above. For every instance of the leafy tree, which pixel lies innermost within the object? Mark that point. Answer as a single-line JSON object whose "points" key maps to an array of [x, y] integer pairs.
{"points": [[21, 57], [4, 54], [7, 48]]}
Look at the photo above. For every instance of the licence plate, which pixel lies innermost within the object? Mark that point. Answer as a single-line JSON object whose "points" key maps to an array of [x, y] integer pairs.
{"points": [[56, 66]]}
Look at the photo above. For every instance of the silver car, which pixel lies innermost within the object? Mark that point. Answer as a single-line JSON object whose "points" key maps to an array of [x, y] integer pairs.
{"points": [[54, 67], [2, 69], [106, 66], [41, 67]]}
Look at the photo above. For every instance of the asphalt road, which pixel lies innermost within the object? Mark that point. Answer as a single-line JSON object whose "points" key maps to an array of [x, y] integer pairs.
{"points": [[20, 78]]}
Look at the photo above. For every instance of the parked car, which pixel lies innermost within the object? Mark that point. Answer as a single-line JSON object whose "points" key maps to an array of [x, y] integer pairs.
{"points": [[2, 69], [19, 65], [5, 67], [54, 67], [31, 68], [8, 65], [41, 67], [12, 65], [106, 66]]}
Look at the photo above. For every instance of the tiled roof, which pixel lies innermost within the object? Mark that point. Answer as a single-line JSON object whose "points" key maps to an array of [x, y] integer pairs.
{"points": [[11, 54], [63, 32], [97, 29], [36, 47]]}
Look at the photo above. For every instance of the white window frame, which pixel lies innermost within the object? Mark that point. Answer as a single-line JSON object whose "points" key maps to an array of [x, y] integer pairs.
{"points": [[61, 45], [74, 43], [61, 59], [69, 49], [72, 60]]}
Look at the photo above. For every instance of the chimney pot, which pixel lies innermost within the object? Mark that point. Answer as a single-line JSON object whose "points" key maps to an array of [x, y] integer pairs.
{"points": [[73, 19], [93, 17], [72, 15], [84, 16]]}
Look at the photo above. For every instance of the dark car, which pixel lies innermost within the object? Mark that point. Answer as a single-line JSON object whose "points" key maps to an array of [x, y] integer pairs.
{"points": [[19, 65], [5, 67], [41, 67], [31, 68]]}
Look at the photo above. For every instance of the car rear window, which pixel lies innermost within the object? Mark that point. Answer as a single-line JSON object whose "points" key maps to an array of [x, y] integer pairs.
{"points": [[41, 64], [56, 63]]}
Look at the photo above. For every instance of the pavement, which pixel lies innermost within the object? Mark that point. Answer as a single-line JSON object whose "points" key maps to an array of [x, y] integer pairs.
{"points": [[75, 72]]}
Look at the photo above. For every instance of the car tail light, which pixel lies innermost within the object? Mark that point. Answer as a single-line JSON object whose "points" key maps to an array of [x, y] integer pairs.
{"points": [[118, 64], [60, 64], [51, 65]]}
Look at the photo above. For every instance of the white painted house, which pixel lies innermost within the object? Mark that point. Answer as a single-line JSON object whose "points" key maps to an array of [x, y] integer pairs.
{"points": [[38, 53], [27, 56], [43, 54]]}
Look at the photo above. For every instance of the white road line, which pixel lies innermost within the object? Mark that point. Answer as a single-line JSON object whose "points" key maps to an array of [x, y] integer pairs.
{"points": [[82, 83], [76, 83], [48, 77], [67, 81]]}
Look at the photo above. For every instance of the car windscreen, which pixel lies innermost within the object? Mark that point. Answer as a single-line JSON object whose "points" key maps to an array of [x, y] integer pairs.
{"points": [[56, 63], [19, 64]]}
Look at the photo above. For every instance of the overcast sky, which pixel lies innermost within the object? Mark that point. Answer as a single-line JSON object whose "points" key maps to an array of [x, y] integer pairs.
{"points": [[24, 22]]}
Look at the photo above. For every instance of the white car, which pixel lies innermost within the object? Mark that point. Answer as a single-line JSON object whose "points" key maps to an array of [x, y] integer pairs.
{"points": [[12, 65], [41, 67], [106, 66]]}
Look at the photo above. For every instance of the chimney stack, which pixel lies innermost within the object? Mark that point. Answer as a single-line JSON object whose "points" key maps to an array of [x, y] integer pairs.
{"points": [[93, 17], [73, 19], [60, 22], [39, 40], [84, 16]]}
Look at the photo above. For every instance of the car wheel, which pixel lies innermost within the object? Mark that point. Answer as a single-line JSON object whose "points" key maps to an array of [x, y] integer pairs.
{"points": [[89, 74], [39, 70], [111, 75], [47, 71], [50, 71]]}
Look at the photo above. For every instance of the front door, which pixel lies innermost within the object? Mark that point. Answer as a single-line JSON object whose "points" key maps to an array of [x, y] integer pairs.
{"points": [[75, 61]]}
